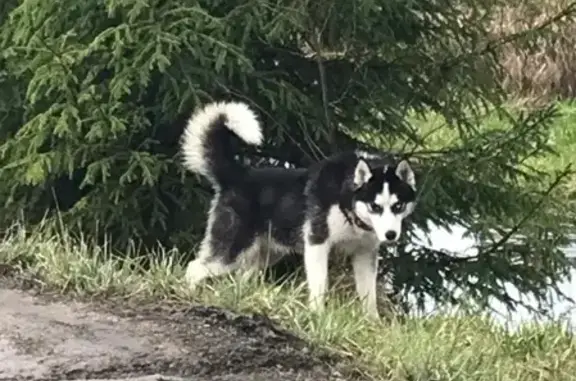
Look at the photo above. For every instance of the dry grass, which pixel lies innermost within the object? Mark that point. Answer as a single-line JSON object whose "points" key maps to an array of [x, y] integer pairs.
{"points": [[448, 348], [545, 68]]}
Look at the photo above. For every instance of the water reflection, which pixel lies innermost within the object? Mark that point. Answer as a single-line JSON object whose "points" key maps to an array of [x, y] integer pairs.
{"points": [[454, 241]]}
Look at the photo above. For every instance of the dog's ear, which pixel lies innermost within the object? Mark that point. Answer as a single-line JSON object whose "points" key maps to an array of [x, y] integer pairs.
{"points": [[362, 174], [405, 173]]}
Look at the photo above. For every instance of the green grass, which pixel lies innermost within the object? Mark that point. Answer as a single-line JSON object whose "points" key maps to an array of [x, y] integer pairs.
{"points": [[443, 347], [464, 347], [562, 136]]}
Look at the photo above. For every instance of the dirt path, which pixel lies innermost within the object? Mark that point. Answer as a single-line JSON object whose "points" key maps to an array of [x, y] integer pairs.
{"points": [[48, 339]]}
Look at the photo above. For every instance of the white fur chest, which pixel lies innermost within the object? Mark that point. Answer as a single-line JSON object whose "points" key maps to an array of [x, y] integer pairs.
{"points": [[346, 237]]}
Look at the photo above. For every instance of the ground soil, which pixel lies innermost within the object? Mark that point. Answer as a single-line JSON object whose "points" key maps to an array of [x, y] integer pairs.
{"points": [[43, 337]]}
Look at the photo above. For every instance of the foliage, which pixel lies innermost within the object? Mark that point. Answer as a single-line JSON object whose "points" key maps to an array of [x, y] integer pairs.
{"points": [[100, 91], [457, 347]]}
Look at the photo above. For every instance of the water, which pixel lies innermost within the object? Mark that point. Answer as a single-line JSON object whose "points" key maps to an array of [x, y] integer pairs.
{"points": [[455, 241]]}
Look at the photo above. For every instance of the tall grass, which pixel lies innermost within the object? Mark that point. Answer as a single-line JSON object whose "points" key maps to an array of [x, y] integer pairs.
{"points": [[545, 68], [441, 347]]}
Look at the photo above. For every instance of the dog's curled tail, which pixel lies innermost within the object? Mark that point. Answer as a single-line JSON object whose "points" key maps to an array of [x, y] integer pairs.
{"points": [[209, 140]]}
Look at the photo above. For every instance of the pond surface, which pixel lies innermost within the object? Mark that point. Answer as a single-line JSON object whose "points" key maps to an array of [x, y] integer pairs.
{"points": [[455, 241]]}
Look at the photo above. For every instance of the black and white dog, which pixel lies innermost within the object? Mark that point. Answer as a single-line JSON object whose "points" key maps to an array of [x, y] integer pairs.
{"points": [[352, 201]]}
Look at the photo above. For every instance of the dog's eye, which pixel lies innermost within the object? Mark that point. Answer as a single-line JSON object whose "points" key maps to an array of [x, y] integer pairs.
{"points": [[398, 207], [376, 208]]}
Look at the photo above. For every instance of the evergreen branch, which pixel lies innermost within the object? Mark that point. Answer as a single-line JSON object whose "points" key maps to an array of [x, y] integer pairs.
{"points": [[511, 232], [74, 79], [316, 45], [515, 229], [310, 142], [323, 88]]}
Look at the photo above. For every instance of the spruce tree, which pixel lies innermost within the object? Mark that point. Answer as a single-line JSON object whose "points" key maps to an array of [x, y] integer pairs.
{"points": [[95, 94]]}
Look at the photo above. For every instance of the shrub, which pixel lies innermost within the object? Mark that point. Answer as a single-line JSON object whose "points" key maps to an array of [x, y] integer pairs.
{"points": [[97, 94]]}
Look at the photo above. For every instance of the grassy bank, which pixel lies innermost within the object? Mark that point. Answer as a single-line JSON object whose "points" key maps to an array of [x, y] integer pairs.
{"points": [[436, 348], [454, 348], [562, 137]]}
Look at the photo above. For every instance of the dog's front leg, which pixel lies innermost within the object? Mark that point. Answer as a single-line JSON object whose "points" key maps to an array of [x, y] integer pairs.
{"points": [[365, 265], [316, 266]]}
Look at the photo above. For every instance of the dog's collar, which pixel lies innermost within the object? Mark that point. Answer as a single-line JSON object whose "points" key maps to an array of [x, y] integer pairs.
{"points": [[356, 221]]}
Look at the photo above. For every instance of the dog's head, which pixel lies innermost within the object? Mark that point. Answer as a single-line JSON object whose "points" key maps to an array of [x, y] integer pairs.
{"points": [[383, 196]]}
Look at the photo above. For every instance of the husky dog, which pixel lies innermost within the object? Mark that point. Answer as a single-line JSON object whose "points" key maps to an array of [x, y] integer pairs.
{"points": [[352, 201]]}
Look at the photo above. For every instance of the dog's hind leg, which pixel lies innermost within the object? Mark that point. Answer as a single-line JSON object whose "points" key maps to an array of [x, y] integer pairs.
{"points": [[207, 265], [200, 269], [216, 265], [223, 249]]}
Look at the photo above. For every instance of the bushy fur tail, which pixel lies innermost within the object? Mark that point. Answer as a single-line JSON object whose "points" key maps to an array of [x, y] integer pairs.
{"points": [[209, 140]]}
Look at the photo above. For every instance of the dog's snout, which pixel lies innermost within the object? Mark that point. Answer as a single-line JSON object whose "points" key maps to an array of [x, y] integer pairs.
{"points": [[390, 235]]}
